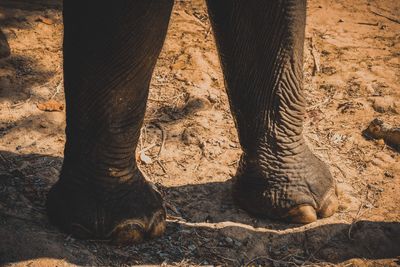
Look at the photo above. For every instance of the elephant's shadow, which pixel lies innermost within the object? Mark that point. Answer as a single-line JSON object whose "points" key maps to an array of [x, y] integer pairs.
{"points": [[204, 227]]}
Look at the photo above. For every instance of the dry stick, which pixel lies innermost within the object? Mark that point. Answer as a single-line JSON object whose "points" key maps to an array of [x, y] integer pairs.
{"points": [[141, 139], [225, 258], [161, 166], [386, 17], [58, 88], [313, 53], [145, 133], [368, 23], [341, 170], [172, 207], [21, 103], [163, 138], [208, 32], [319, 105], [356, 218], [147, 148]]}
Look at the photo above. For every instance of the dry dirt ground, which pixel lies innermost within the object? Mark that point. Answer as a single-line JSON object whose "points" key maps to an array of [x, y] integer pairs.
{"points": [[189, 146]]}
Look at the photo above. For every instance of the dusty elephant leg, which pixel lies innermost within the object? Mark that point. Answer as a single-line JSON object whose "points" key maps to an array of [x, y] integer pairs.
{"points": [[261, 51], [110, 50]]}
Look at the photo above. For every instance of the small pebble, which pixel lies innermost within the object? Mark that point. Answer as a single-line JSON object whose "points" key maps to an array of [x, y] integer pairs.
{"points": [[229, 240]]}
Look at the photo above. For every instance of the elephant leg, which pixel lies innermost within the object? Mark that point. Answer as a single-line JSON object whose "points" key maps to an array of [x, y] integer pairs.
{"points": [[110, 50], [261, 51]]}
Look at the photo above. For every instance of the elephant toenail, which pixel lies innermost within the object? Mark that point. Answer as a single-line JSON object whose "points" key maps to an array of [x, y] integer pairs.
{"points": [[157, 224], [329, 205], [128, 232], [302, 214]]}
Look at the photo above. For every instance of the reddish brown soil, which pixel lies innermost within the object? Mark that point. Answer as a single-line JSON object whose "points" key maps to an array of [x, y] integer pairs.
{"points": [[351, 77]]}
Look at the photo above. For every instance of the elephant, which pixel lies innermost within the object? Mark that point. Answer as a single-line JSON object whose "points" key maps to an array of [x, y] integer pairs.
{"points": [[110, 51]]}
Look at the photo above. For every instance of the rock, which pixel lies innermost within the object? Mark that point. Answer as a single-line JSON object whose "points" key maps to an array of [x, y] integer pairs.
{"points": [[238, 243], [229, 240], [145, 159], [377, 129], [385, 104], [388, 174], [213, 98]]}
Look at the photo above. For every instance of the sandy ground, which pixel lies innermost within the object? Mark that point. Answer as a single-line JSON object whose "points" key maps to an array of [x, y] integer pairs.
{"points": [[189, 146]]}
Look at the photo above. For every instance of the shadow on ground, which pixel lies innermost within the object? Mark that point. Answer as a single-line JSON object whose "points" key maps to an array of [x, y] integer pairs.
{"points": [[21, 72], [32, 4], [204, 228]]}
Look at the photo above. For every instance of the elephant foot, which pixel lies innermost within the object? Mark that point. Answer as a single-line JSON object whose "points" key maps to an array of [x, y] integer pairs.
{"points": [[295, 188], [126, 213]]}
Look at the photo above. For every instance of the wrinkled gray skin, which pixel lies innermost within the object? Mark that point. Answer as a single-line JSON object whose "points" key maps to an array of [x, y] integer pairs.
{"points": [[110, 50]]}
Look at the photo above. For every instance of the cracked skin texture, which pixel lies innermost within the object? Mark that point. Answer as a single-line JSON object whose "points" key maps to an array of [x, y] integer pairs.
{"points": [[101, 193]]}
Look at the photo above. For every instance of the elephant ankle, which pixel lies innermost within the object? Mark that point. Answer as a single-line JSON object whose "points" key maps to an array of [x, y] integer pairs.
{"points": [[278, 184], [100, 179]]}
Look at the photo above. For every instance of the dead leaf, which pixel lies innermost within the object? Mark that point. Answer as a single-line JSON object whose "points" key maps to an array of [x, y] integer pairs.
{"points": [[51, 105], [45, 20]]}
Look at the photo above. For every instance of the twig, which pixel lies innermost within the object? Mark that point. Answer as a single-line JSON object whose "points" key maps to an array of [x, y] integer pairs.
{"points": [[385, 16], [163, 138], [147, 148], [316, 68], [58, 88], [208, 32], [368, 23], [358, 215], [233, 163], [141, 138], [21, 103], [161, 166], [316, 106], [225, 258], [355, 220], [341, 170], [172, 207], [196, 167]]}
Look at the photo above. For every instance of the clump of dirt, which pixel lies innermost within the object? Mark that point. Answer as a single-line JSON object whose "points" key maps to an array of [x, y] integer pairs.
{"points": [[377, 129], [190, 147]]}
